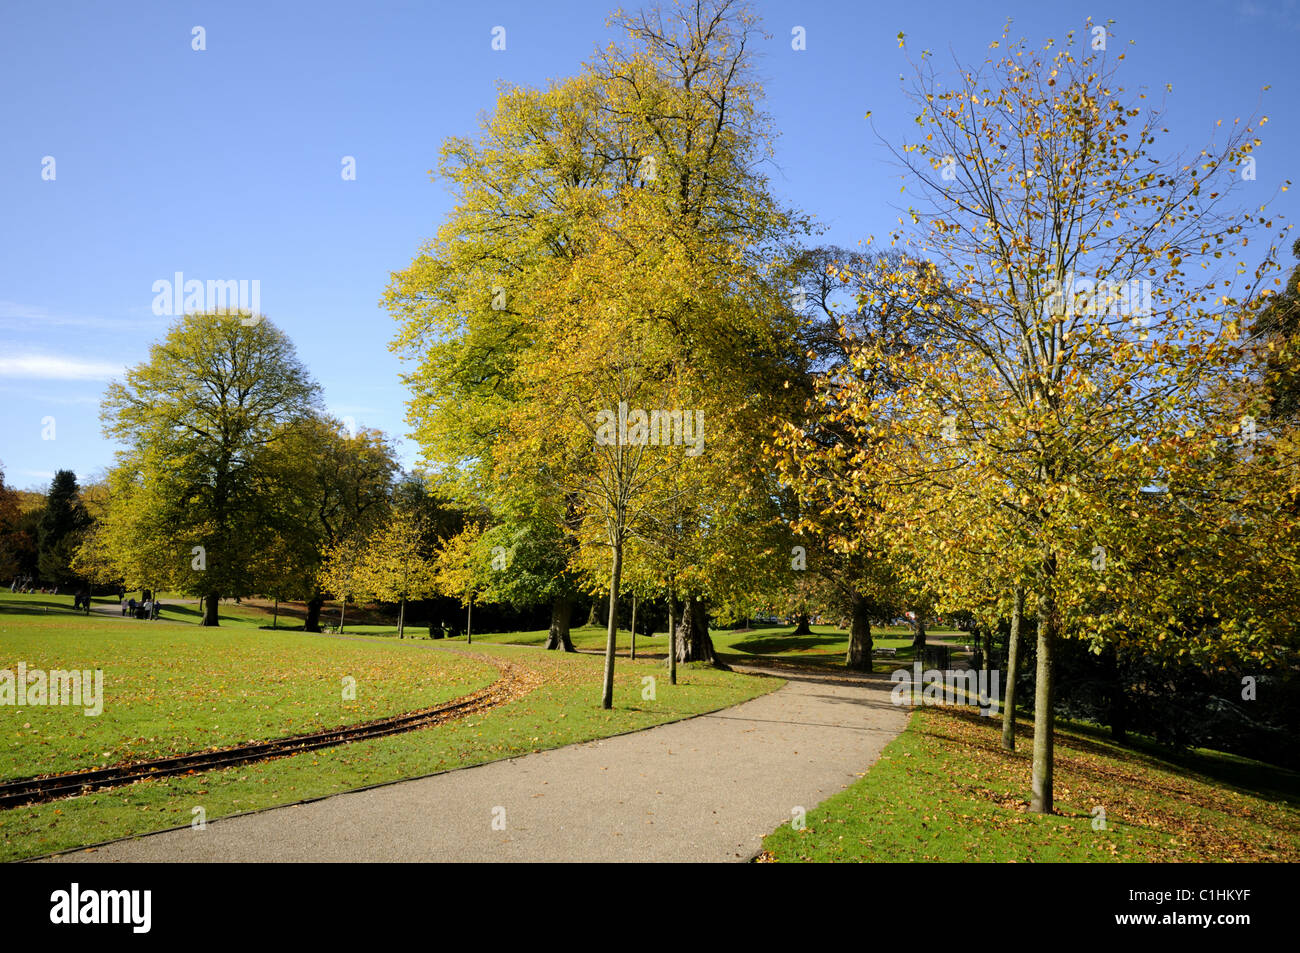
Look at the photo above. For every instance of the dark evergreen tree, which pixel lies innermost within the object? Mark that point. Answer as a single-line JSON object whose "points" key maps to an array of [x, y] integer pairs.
{"points": [[60, 530]]}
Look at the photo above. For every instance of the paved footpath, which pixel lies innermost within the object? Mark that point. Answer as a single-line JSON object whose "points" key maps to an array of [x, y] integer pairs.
{"points": [[705, 789]]}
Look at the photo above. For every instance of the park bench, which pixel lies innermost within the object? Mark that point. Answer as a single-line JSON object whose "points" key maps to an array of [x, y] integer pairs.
{"points": [[885, 653]]}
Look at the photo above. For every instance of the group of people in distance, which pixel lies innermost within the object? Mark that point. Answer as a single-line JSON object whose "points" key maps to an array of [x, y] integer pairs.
{"points": [[148, 609]]}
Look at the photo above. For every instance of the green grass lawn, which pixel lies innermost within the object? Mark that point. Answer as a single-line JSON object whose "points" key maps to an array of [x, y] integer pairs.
{"points": [[172, 687], [945, 791]]}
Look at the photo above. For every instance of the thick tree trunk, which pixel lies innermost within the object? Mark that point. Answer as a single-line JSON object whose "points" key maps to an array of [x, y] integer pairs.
{"points": [[611, 632], [801, 626], [313, 613], [211, 606], [672, 638], [1041, 800], [918, 636], [1013, 650], [859, 655], [593, 617], [561, 616], [693, 642]]}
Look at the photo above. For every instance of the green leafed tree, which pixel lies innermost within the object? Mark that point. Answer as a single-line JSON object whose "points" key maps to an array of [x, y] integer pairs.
{"points": [[194, 489]]}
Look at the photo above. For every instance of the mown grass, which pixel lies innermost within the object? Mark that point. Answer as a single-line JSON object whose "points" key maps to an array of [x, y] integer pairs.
{"points": [[172, 689], [562, 707], [945, 791]]}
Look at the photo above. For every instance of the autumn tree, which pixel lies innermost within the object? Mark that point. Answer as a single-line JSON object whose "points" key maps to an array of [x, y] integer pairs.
{"points": [[199, 420], [609, 248], [1077, 356], [330, 484], [10, 539], [393, 565]]}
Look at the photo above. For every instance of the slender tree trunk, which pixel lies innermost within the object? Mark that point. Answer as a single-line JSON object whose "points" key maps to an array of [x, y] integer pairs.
{"points": [[314, 604], [634, 625], [561, 615], [469, 620], [693, 642], [672, 637], [802, 627], [1041, 800], [401, 619], [611, 632], [988, 648], [275, 616], [859, 654], [1013, 650], [211, 606], [343, 606]]}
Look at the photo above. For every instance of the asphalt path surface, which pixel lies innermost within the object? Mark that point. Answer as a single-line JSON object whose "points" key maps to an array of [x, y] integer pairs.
{"points": [[705, 789]]}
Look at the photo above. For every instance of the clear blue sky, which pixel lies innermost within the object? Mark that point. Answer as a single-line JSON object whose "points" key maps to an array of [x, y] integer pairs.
{"points": [[226, 163]]}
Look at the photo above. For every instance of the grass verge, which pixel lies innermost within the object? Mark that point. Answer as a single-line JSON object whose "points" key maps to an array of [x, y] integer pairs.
{"points": [[945, 791]]}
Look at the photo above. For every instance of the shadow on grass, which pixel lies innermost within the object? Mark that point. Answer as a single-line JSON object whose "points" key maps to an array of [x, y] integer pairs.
{"points": [[1264, 780], [768, 644], [41, 607], [1256, 778]]}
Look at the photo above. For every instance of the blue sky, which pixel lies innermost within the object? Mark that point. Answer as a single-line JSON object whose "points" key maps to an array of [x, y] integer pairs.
{"points": [[225, 163]]}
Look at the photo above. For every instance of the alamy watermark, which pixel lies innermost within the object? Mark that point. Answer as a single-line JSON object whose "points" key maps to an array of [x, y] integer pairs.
{"points": [[179, 296], [656, 428], [1088, 297], [80, 689], [951, 687]]}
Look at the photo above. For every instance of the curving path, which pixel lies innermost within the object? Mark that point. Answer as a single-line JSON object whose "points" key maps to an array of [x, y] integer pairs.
{"points": [[705, 789]]}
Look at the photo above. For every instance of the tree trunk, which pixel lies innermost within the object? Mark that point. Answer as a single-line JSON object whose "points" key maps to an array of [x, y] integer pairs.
{"points": [[469, 620], [1013, 649], [634, 625], [1041, 801], [693, 642], [561, 615], [275, 616], [918, 637], [401, 619], [672, 638], [859, 655], [343, 607], [611, 632], [802, 627], [313, 613], [211, 605], [988, 648], [593, 617]]}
